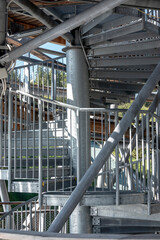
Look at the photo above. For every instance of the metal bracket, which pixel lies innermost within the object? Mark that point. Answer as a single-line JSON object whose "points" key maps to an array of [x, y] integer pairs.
{"points": [[96, 221], [94, 211]]}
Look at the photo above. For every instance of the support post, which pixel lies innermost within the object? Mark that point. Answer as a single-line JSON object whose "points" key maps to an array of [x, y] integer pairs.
{"points": [[9, 141], [108, 148], [40, 152], [78, 95]]}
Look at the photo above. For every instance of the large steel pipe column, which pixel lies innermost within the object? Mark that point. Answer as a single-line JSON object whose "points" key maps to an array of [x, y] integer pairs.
{"points": [[78, 95]]}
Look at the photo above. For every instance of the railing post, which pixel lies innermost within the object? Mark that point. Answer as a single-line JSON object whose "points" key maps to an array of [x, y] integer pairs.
{"points": [[78, 145], [157, 158], [40, 152], [131, 163], [158, 151], [153, 160], [117, 165], [53, 83], [9, 140], [148, 163], [137, 154], [1, 127]]}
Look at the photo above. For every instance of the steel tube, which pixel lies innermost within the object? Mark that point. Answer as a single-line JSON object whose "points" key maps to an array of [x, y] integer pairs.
{"points": [[148, 163], [77, 78], [111, 143], [3, 21], [9, 141], [62, 28], [117, 166], [40, 152]]}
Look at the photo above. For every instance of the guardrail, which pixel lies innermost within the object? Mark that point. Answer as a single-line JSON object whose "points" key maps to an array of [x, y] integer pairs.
{"points": [[33, 116], [31, 216], [38, 143]]}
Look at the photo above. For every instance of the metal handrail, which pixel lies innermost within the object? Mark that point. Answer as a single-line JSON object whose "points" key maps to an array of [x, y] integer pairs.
{"points": [[105, 110], [19, 206]]}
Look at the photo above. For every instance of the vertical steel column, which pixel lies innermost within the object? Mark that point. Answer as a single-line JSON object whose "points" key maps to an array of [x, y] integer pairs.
{"points": [[40, 152], [78, 95]]}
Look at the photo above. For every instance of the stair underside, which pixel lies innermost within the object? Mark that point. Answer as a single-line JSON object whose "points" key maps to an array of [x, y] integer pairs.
{"points": [[122, 50]]}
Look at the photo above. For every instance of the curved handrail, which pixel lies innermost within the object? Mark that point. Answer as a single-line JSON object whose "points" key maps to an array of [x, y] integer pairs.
{"points": [[18, 206]]}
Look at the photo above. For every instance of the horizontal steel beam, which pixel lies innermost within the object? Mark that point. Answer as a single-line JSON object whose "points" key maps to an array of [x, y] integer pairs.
{"points": [[124, 47], [57, 65], [17, 43], [50, 11], [48, 51], [95, 84], [37, 13], [151, 4], [115, 33], [120, 74], [62, 28], [27, 33], [124, 62], [87, 27]]}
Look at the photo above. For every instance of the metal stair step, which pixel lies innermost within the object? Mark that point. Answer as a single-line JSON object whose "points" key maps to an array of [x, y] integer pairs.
{"points": [[127, 222], [46, 173], [126, 230], [24, 142], [128, 211], [58, 132], [121, 62], [120, 31], [124, 47], [33, 186], [30, 162], [59, 151]]}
